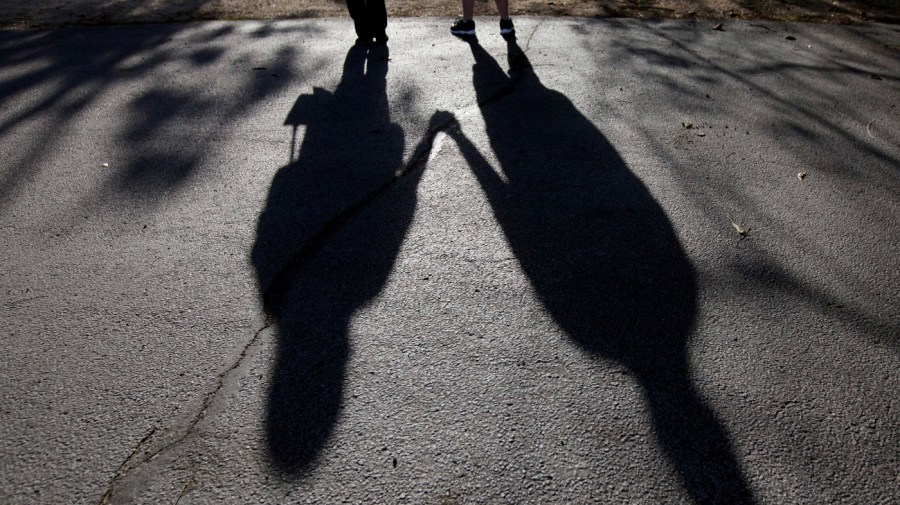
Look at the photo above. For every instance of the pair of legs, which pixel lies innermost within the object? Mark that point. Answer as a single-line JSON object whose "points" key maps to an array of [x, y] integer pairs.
{"points": [[465, 26], [370, 19], [469, 8]]}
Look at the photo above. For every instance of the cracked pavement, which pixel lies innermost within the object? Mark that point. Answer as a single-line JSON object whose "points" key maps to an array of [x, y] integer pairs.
{"points": [[246, 262]]}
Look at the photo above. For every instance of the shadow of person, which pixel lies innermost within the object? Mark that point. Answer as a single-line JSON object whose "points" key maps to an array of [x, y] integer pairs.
{"points": [[314, 270], [601, 256]]}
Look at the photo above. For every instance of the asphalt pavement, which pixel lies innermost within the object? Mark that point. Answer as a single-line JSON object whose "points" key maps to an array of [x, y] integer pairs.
{"points": [[606, 261]]}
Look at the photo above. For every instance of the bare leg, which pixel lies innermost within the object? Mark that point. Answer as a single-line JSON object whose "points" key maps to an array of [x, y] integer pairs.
{"points": [[469, 8], [502, 8]]}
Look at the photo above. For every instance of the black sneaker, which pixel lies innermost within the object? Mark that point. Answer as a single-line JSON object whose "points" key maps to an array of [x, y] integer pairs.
{"points": [[506, 26], [463, 27]]}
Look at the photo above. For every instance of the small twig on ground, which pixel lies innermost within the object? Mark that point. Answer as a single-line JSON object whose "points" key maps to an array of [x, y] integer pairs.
{"points": [[184, 489]]}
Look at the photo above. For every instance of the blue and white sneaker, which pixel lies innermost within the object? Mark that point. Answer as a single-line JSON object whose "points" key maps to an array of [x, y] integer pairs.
{"points": [[506, 26]]}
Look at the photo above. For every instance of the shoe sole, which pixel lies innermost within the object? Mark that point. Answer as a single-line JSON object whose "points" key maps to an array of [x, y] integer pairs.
{"points": [[507, 32], [462, 32]]}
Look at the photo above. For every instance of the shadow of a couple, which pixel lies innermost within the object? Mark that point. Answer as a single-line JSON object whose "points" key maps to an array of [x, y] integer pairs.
{"points": [[595, 245]]}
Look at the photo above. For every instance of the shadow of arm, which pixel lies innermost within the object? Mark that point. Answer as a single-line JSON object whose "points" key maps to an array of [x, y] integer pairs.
{"points": [[487, 176]]}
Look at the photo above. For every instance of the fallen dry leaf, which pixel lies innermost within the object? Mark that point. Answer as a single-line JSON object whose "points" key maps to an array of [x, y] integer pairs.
{"points": [[740, 229]]}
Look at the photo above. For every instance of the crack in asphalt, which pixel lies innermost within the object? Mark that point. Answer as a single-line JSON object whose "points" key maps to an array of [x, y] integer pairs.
{"points": [[122, 470], [531, 36], [13, 303], [128, 465]]}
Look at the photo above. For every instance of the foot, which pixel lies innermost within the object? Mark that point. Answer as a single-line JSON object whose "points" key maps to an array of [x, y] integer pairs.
{"points": [[381, 38], [463, 27], [506, 26]]}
